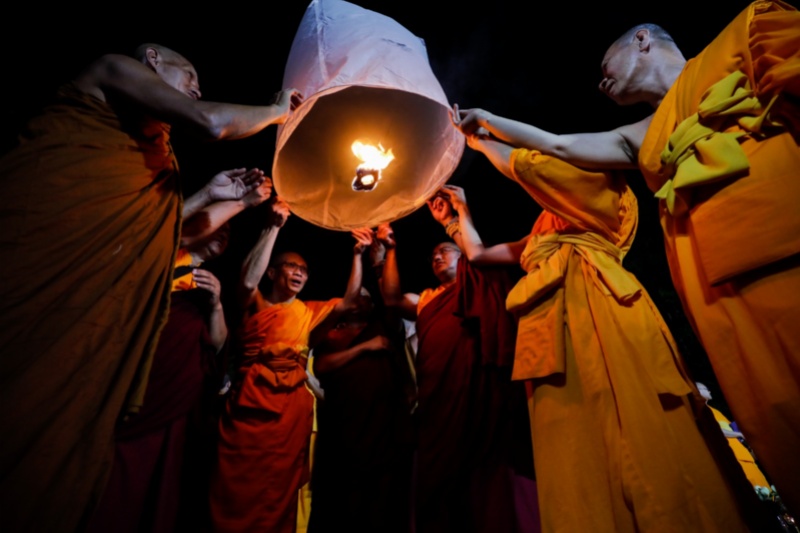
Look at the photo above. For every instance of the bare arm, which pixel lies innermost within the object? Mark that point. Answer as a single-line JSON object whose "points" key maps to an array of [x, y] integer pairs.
{"points": [[213, 216], [257, 261], [123, 77], [617, 148], [328, 362], [466, 236], [363, 239], [217, 329], [390, 280]]}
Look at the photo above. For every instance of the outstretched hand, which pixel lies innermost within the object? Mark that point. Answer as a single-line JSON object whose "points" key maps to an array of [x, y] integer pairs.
{"points": [[455, 195], [363, 237], [385, 234], [287, 101], [280, 212], [441, 208], [234, 184], [258, 195], [470, 121]]}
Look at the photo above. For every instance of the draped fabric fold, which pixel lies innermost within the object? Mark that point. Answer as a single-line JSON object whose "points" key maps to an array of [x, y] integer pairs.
{"points": [[89, 226], [608, 393], [266, 428], [702, 151], [734, 254]]}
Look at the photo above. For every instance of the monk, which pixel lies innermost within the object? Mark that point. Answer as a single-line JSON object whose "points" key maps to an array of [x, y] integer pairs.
{"points": [[266, 427], [464, 471], [88, 288], [361, 479], [616, 445], [144, 488], [721, 153]]}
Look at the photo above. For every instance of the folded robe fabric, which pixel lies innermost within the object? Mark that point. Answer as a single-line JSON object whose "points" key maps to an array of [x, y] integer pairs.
{"points": [[733, 248], [89, 227], [615, 440], [266, 427]]}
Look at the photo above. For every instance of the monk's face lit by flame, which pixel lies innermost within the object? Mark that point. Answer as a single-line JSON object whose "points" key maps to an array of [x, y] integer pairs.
{"points": [[444, 260], [288, 274], [373, 159]]}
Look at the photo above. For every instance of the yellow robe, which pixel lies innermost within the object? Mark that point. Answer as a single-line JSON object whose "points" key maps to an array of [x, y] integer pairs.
{"points": [[616, 446], [743, 455], [733, 233]]}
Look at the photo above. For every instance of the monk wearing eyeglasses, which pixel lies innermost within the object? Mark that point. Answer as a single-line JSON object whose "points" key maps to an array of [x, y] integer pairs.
{"points": [[266, 428]]}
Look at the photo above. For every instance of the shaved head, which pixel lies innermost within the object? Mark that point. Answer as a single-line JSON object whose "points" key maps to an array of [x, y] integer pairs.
{"points": [[171, 67], [657, 33], [167, 53]]}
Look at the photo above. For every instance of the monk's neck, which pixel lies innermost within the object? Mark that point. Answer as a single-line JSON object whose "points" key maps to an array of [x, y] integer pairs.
{"points": [[278, 297], [447, 283], [665, 78]]}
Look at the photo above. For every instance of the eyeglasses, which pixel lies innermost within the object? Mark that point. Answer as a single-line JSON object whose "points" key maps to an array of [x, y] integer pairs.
{"points": [[444, 250], [294, 267]]}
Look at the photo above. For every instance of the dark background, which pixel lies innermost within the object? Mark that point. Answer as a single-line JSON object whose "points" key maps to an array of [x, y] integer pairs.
{"points": [[537, 62]]}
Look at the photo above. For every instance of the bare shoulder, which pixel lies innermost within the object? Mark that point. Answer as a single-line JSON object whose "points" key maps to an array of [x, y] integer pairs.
{"points": [[107, 69]]}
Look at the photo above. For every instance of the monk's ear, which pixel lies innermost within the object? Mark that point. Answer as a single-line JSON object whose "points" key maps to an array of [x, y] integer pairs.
{"points": [[642, 39], [152, 57], [271, 273]]}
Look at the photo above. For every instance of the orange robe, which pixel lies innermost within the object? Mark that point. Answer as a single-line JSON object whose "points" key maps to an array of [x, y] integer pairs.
{"points": [[265, 431], [616, 445], [732, 225], [89, 226]]}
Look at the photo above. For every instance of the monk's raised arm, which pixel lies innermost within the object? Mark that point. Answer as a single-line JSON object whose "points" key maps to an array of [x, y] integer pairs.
{"points": [[617, 148], [389, 280], [450, 209], [209, 218], [118, 77], [257, 261]]}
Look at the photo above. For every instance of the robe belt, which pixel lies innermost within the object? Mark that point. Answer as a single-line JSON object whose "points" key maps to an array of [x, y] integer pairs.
{"points": [[282, 366], [546, 268], [701, 151]]}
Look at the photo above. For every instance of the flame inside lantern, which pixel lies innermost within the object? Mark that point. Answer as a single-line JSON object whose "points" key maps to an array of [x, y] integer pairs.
{"points": [[373, 160]]}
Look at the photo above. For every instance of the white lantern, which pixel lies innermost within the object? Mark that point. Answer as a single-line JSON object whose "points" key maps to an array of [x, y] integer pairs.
{"points": [[368, 89]]}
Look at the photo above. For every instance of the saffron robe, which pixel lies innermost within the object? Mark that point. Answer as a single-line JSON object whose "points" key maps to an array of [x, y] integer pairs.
{"points": [[733, 248], [464, 418], [266, 427], [616, 445], [89, 227], [361, 479]]}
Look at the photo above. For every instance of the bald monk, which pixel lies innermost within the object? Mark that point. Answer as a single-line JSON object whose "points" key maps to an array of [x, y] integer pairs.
{"points": [[266, 427], [88, 288], [616, 446], [144, 488], [721, 153], [361, 478], [464, 477]]}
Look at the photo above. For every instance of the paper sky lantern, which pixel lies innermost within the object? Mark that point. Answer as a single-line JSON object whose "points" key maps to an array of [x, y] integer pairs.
{"points": [[372, 141]]}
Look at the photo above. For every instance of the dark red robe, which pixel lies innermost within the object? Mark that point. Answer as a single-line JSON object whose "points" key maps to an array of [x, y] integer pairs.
{"points": [[143, 491], [465, 479], [361, 478]]}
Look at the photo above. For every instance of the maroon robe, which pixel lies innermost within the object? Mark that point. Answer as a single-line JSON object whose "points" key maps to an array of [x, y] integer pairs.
{"points": [[465, 480], [361, 476], [143, 491]]}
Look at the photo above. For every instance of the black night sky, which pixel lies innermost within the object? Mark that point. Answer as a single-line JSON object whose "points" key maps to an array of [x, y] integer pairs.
{"points": [[537, 62]]}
